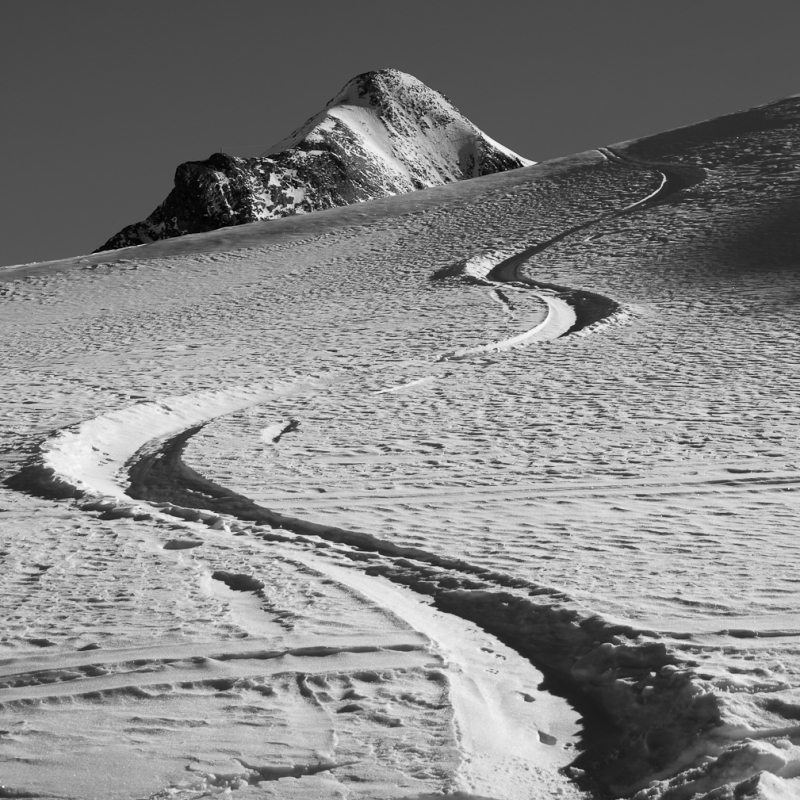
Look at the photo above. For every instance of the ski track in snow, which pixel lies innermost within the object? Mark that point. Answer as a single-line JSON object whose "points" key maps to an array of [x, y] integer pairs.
{"points": [[395, 474]]}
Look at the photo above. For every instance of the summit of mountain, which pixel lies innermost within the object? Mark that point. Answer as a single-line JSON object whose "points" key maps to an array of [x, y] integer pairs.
{"points": [[384, 133]]}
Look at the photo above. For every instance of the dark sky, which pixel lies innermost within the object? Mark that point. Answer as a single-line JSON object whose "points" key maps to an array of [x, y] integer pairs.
{"points": [[102, 100]]}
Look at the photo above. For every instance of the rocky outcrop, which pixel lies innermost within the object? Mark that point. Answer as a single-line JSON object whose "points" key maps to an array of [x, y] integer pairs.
{"points": [[385, 133]]}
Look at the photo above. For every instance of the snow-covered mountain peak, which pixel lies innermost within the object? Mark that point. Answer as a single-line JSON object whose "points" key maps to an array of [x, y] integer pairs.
{"points": [[384, 133], [413, 127]]}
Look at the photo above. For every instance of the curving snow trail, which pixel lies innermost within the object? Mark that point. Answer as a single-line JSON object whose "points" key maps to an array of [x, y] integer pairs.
{"points": [[89, 459], [504, 738], [571, 310], [559, 321], [674, 177]]}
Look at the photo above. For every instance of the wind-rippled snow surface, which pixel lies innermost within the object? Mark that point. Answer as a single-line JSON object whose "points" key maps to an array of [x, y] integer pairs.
{"points": [[618, 505]]}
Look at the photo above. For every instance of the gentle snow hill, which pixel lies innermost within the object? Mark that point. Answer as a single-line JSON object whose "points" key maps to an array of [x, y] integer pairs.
{"points": [[385, 133]]}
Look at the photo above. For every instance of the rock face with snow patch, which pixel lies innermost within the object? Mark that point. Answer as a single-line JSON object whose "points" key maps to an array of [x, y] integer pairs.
{"points": [[385, 133]]}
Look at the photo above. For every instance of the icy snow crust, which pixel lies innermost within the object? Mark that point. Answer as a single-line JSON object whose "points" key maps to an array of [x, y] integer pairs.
{"points": [[385, 133], [332, 508]]}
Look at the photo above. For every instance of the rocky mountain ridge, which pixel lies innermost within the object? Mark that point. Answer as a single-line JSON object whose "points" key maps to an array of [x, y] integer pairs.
{"points": [[384, 133]]}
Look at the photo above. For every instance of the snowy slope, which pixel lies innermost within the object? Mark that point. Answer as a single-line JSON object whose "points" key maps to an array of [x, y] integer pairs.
{"points": [[385, 133], [485, 490]]}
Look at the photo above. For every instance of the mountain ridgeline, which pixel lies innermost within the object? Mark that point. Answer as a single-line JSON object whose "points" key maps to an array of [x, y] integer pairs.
{"points": [[385, 133]]}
